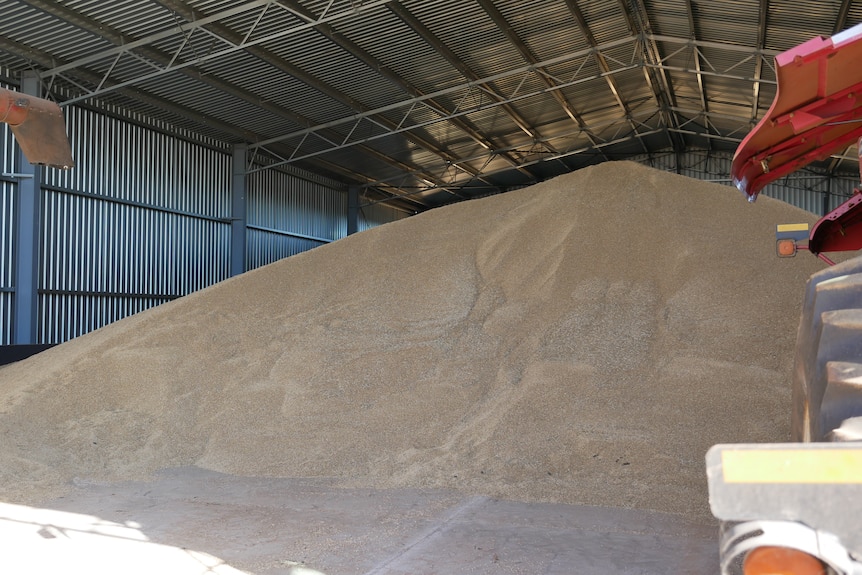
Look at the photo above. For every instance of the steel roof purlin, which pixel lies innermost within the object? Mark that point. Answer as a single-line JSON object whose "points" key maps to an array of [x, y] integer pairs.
{"points": [[428, 102]]}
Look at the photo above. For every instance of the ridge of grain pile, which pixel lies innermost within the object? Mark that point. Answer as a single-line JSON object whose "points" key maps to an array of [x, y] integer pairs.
{"points": [[584, 340]]}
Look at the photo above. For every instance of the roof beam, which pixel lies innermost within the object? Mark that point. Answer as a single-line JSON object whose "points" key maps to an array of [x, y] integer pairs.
{"points": [[530, 58], [455, 91], [387, 73], [841, 20], [639, 24], [692, 25], [602, 62], [588, 148], [763, 14], [408, 18], [114, 36], [701, 88]]}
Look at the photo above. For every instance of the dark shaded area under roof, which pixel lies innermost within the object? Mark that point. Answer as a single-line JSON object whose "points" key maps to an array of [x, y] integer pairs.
{"points": [[427, 102]]}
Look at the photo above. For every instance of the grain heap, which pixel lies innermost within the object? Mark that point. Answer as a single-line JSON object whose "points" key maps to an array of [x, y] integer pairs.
{"points": [[584, 340]]}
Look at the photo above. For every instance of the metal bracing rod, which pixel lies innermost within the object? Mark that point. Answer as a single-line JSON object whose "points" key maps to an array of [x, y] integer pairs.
{"points": [[713, 74], [600, 60], [573, 134], [665, 96], [841, 20], [692, 25], [574, 152], [714, 45], [502, 24], [417, 26], [183, 10], [411, 21], [468, 86], [758, 64], [218, 53]]}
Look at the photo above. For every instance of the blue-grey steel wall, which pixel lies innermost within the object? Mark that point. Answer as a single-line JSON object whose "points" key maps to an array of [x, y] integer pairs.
{"points": [[804, 189], [372, 215], [145, 217], [142, 218], [288, 214]]}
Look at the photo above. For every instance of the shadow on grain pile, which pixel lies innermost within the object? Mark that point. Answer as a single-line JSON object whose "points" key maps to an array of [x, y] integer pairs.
{"points": [[584, 340]]}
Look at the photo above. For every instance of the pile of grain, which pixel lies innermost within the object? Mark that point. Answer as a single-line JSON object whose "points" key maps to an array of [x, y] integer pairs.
{"points": [[584, 340]]}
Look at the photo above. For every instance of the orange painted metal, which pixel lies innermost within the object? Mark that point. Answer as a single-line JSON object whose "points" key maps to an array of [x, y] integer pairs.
{"points": [[781, 561]]}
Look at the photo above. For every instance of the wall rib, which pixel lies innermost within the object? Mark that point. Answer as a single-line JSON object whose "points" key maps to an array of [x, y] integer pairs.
{"points": [[143, 218], [288, 215]]}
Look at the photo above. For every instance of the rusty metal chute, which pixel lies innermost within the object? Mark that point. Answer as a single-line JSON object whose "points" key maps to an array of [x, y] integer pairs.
{"points": [[38, 127]]}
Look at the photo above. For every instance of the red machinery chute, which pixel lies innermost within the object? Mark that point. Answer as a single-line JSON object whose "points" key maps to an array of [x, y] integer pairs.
{"points": [[817, 112]]}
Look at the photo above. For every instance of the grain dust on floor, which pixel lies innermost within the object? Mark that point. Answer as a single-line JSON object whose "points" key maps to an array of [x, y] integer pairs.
{"points": [[194, 522], [583, 341]]}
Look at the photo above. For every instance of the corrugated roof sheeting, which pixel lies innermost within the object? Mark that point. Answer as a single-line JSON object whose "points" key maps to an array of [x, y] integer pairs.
{"points": [[400, 49], [783, 31], [191, 93], [729, 21], [469, 32], [606, 20], [854, 15], [137, 19], [670, 18], [33, 28], [545, 27], [339, 87]]}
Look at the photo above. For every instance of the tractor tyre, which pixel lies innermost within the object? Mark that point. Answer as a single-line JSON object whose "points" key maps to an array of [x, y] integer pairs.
{"points": [[827, 389]]}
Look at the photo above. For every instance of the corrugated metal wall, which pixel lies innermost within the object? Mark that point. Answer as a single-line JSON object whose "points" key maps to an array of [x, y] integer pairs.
{"points": [[289, 214], [145, 217], [372, 215], [142, 218], [813, 192]]}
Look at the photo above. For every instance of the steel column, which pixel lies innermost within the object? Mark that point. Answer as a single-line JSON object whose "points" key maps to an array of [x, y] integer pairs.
{"points": [[239, 184], [352, 210], [26, 238]]}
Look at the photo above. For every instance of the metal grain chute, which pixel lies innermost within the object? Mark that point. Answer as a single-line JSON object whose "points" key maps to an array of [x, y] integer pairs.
{"points": [[38, 127]]}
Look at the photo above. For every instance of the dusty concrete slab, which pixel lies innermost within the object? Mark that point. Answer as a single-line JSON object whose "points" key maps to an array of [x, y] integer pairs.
{"points": [[191, 521]]}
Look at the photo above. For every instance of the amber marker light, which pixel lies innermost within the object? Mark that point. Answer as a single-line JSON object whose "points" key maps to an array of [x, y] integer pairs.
{"points": [[786, 248], [781, 561]]}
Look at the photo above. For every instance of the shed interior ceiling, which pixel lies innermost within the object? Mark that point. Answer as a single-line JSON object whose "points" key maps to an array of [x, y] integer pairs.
{"points": [[427, 102]]}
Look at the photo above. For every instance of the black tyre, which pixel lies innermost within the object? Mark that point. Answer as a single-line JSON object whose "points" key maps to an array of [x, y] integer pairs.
{"points": [[827, 387]]}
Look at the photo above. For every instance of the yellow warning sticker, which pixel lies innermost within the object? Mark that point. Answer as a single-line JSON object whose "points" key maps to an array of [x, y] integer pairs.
{"points": [[792, 466], [791, 228]]}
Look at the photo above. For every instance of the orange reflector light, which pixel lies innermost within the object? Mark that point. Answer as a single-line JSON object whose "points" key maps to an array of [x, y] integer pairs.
{"points": [[786, 248], [781, 561]]}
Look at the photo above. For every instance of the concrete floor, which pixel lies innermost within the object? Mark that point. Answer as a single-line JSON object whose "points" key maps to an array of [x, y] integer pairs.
{"points": [[190, 521]]}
